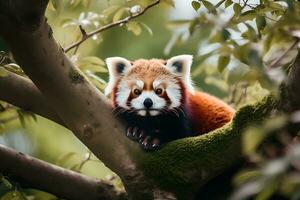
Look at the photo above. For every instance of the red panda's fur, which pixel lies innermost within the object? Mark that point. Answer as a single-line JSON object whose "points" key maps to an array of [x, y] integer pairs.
{"points": [[198, 112], [207, 112]]}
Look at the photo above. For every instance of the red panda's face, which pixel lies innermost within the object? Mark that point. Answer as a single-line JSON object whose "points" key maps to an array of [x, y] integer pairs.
{"points": [[149, 87]]}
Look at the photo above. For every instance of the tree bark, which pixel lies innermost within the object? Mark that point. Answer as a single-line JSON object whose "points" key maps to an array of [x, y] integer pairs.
{"points": [[290, 91], [79, 104], [21, 92], [56, 180]]}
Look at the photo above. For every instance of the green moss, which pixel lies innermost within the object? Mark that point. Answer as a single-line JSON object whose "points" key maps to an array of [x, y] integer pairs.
{"points": [[182, 166]]}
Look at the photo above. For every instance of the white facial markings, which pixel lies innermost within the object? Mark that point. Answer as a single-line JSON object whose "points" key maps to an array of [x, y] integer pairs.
{"points": [[142, 112], [158, 103], [169, 85], [154, 112], [172, 90], [174, 94], [140, 84], [156, 83], [123, 93]]}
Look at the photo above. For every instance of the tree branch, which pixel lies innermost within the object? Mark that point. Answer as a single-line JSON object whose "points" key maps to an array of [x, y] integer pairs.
{"points": [[276, 62], [53, 179], [291, 88], [86, 35], [82, 107], [22, 93]]}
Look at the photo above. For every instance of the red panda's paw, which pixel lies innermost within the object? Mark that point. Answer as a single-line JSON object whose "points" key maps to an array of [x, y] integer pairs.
{"points": [[134, 133], [149, 143]]}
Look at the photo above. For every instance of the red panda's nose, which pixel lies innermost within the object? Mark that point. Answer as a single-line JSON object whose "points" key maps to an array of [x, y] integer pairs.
{"points": [[148, 103]]}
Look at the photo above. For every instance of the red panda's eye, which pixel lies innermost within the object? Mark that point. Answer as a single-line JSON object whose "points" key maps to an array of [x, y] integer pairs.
{"points": [[158, 91], [137, 92]]}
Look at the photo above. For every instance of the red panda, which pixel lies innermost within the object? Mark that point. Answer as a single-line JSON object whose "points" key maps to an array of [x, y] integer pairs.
{"points": [[158, 103]]}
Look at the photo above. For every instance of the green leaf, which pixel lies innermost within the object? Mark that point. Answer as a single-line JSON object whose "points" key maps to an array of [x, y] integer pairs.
{"points": [[92, 60], [33, 116], [21, 118], [275, 6], [92, 63], [93, 68], [3, 72], [87, 3], [248, 15], [268, 190], [220, 36], [228, 3], [250, 34], [57, 4], [193, 26], [74, 3], [260, 23], [148, 29], [177, 23], [223, 61], [237, 9], [219, 3], [12, 67], [210, 7], [268, 42], [119, 14], [96, 77], [64, 158], [14, 195], [169, 2], [252, 137], [196, 5], [5, 182], [111, 10], [134, 27], [225, 34], [244, 176], [236, 74]]}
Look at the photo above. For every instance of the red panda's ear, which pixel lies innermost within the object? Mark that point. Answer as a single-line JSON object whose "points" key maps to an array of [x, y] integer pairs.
{"points": [[181, 66], [117, 66]]}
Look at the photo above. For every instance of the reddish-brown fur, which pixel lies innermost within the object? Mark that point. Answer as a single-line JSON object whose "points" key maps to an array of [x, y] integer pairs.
{"points": [[207, 112]]}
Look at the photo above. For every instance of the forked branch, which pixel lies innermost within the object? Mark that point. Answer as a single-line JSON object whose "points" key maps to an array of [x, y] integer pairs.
{"points": [[21, 92]]}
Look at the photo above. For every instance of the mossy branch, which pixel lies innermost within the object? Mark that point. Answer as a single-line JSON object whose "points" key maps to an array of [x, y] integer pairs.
{"points": [[183, 166]]}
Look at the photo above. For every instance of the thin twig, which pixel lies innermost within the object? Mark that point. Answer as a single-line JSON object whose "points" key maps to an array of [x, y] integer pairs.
{"points": [[103, 28], [275, 63]]}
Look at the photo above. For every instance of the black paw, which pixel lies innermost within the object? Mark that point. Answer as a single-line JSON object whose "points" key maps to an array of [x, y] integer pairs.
{"points": [[149, 143], [134, 133]]}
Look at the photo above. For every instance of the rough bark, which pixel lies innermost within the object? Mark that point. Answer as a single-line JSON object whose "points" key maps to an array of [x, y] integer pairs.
{"points": [[56, 180], [21, 92], [290, 100], [83, 109]]}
